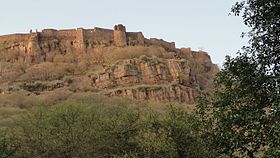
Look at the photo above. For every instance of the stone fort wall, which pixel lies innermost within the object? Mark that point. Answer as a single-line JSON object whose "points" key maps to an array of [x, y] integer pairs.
{"points": [[14, 38], [90, 37], [99, 36]]}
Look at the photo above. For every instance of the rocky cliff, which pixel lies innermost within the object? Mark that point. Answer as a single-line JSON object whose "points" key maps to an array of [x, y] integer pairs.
{"points": [[110, 62], [156, 78]]}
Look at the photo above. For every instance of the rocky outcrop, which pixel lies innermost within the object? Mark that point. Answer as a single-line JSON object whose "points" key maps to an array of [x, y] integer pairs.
{"points": [[145, 70], [40, 86], [152, 78], [171, 93]]}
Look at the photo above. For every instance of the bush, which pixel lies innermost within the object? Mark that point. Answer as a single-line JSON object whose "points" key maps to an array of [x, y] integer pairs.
{"points": [[102, 127], [143, 58], [67, 79], [33, 86]]}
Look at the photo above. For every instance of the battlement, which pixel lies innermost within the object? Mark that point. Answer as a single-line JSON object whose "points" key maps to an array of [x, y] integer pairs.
{"points": [[119, 27]]}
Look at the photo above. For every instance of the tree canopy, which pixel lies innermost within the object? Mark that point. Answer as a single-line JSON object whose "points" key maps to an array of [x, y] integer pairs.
{"points": [[246, 106]]}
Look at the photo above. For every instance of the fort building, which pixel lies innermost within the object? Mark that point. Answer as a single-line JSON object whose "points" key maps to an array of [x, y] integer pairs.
{"points": [[80, 38]]}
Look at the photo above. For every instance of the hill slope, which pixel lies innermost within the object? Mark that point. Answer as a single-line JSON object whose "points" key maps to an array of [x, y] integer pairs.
{"points": [[109, 62]]}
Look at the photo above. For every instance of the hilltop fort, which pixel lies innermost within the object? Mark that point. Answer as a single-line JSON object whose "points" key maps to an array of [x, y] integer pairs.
{"points": [[112, 62], [80, 39]]}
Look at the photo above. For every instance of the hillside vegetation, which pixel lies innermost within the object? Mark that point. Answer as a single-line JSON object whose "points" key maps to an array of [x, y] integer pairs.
{"points": [[94, 126]]}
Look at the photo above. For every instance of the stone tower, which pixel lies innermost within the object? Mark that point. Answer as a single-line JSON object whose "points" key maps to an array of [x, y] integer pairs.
{"points": [[33, 43], [33, 49], [80, 40], [120, 35]]}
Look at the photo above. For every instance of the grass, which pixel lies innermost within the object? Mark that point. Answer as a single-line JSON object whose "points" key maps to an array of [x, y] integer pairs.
{"points": [[132, 52], [47, 71], [8, 115], [24, 99], [109, 55]]}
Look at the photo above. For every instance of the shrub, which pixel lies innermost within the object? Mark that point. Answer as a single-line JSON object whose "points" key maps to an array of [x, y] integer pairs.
{"points": [[67, 79], [143, 58], [128, 67], [33, 86]]}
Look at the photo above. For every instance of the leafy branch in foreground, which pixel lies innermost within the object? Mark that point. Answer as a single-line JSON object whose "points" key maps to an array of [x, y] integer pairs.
{"points": [[246, 106]]}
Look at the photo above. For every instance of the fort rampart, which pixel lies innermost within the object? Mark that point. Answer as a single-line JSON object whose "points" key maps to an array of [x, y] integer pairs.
{"points": [[84, 38]]}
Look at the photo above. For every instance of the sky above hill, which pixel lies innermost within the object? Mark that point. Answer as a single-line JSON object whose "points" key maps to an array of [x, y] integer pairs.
{"points": [[199, 24]]}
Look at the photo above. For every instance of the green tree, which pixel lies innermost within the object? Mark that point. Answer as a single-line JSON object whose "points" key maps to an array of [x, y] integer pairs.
{"points": [[183, 129], [174, 133], [245, 113]]}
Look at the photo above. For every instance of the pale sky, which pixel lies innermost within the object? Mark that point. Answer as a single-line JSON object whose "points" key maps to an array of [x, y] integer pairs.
{"points": [[190, 23]]}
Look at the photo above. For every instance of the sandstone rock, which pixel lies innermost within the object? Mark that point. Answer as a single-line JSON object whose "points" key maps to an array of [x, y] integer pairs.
{"points": [[168, 79], [135, 71], [157, 93]]}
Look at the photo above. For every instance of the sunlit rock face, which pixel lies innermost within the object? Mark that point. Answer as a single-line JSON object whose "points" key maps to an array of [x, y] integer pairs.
{"points": [[143, 68]]}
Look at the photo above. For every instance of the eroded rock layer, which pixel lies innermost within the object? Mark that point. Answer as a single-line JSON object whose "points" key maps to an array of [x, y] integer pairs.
{"points": [[160, 79]]}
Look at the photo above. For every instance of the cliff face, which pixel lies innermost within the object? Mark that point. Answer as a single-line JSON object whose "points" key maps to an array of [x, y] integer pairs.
{"points": [[156, 78], [147, 78], [110, 62]]}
